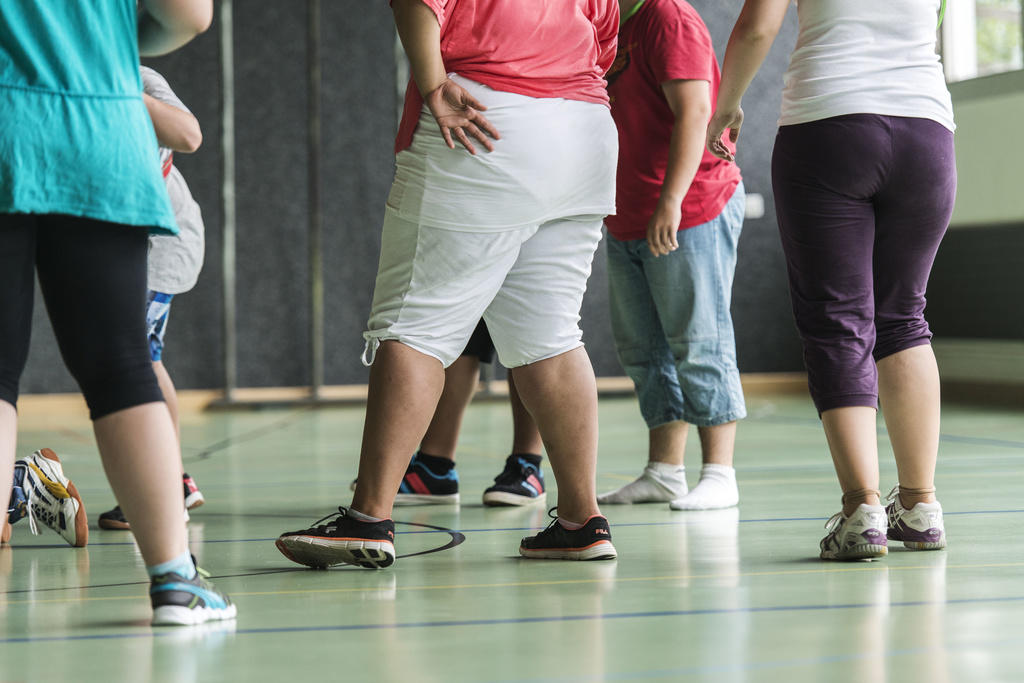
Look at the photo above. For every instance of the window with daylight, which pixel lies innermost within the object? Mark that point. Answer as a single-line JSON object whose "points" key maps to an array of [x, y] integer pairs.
{"points": [[982, 37]]}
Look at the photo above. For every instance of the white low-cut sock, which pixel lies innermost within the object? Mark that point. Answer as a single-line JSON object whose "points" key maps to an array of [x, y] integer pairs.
{"points": [[360, 517], [658, 483], [716, 489]]}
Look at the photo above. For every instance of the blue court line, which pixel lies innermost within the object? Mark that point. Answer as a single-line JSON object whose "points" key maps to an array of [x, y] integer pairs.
{"points": [[613, 616]]}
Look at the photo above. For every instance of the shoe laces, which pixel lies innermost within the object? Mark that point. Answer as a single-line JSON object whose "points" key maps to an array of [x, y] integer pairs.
{"points": [[894, 495], [324, 522], [834, 522]]}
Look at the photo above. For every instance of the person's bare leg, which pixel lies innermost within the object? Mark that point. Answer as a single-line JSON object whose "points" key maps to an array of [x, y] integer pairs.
{"points": [[667, 443], [8, 447], [169, 392], [143, 464], [405, 386], [853, 442], [461, 379], [663, 478], [525, 435], [717, 486], [908, 388], [561, 395], [718, 443]]}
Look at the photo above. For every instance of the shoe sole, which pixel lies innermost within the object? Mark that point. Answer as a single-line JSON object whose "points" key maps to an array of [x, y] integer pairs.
{"points": [[81, 521], [919, 545], [177, 615], [321, 553], [863, 551], [506, 499], [602, 550], [425, 499], [194, 500]]}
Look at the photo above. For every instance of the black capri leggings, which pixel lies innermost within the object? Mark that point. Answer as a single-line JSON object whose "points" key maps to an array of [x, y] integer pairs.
{"points": [[93, 279]]}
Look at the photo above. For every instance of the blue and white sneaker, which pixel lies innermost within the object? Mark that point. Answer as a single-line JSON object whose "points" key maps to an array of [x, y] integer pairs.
{"points": [[520, 483], [178, 601], [423, 486]]}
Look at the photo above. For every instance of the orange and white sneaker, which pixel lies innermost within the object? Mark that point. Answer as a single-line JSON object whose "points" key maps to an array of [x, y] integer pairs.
{"points": [[50, 497], [592, 541]]}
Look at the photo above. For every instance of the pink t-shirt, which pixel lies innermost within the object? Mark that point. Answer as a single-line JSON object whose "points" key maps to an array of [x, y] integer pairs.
{"points": [[538, 48], [665, 40]]}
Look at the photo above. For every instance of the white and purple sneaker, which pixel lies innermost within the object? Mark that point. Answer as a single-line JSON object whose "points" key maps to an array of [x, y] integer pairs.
{"points": [[920, 527], [861, 536]]}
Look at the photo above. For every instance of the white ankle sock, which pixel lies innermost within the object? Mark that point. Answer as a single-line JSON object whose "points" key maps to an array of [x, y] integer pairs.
{"points": [[658, 483], [360, 517], [716, 489]]}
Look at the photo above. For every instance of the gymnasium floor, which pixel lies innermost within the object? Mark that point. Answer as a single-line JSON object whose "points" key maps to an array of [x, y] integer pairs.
{"points": [[734, 595]]}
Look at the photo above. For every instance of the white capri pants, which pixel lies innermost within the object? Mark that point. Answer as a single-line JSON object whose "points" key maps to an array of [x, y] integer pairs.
{"points": [[507, 235], [434, 285]]}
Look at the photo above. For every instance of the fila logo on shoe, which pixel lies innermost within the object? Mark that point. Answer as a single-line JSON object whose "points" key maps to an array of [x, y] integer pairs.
{"points": [[601, 531]]}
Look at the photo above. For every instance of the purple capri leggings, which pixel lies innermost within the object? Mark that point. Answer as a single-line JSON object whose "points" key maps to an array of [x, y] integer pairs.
{"points": [[862, 202]]}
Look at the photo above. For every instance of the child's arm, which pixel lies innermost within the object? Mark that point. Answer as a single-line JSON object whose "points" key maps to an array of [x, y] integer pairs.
{"points": [[690, 102], [175, 128], [166, 25]]}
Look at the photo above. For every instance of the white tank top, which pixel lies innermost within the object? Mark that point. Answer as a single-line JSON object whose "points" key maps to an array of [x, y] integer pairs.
{"points": [[866, 57]]}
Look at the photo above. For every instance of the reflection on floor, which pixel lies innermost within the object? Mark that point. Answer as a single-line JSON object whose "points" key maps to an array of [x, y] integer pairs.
{"points": [[728, 595]]}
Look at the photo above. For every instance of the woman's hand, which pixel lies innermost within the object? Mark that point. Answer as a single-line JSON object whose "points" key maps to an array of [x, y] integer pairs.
{"points": [[458, 116], [733, 120]]}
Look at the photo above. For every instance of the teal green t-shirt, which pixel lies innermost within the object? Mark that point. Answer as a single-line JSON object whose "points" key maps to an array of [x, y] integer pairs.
{"points": [[75, 136]]}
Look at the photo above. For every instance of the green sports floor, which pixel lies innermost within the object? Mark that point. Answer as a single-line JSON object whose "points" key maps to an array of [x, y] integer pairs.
{"points": [[732, 595]]}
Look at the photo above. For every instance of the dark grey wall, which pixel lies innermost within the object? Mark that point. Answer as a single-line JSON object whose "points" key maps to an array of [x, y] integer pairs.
{"points": [[359, 92]]}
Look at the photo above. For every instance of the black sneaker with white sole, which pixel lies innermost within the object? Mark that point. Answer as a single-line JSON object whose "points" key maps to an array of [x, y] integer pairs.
{"points": [[592, 541], [520, 483], [340, 539]]}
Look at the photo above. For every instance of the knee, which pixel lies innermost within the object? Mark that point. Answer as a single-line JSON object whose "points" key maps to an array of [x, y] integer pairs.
{"points": [[115, 383]]}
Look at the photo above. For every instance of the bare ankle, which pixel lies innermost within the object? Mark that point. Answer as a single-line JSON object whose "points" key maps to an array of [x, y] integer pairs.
{"points": [[853, 499], [909, 497]]}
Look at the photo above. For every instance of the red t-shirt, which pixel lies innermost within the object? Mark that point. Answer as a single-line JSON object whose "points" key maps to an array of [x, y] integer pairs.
{"points": [[538, 48], [665, 40]]}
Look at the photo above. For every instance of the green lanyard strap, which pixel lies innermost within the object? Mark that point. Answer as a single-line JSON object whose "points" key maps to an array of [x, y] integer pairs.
{"points": [[640, 3], [942, 12]]}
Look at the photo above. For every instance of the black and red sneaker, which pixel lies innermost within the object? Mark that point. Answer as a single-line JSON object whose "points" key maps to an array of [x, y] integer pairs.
{"points": [[520, 483], [340, 539], [592, 541]]}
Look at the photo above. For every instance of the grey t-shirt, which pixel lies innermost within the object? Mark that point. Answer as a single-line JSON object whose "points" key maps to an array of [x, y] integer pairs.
{"points": [[174, 260]]}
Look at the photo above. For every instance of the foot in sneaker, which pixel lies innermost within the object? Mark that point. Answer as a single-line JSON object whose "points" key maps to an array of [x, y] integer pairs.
{"points": [[193, 496], [592, 541], [919, 527], [178, 601], [114, 519], [341, 539], [861, 536], [520, 483], [41, 492]]}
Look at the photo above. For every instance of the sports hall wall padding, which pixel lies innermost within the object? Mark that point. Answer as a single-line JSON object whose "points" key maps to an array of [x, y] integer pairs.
{"points": [[359, 109]]}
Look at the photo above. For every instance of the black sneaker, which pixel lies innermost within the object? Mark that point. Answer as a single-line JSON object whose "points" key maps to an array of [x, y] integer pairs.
{"points": [[592, 541], [520, 483], [341, 540], [193, 496], [114, 519], [423, 486]]}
